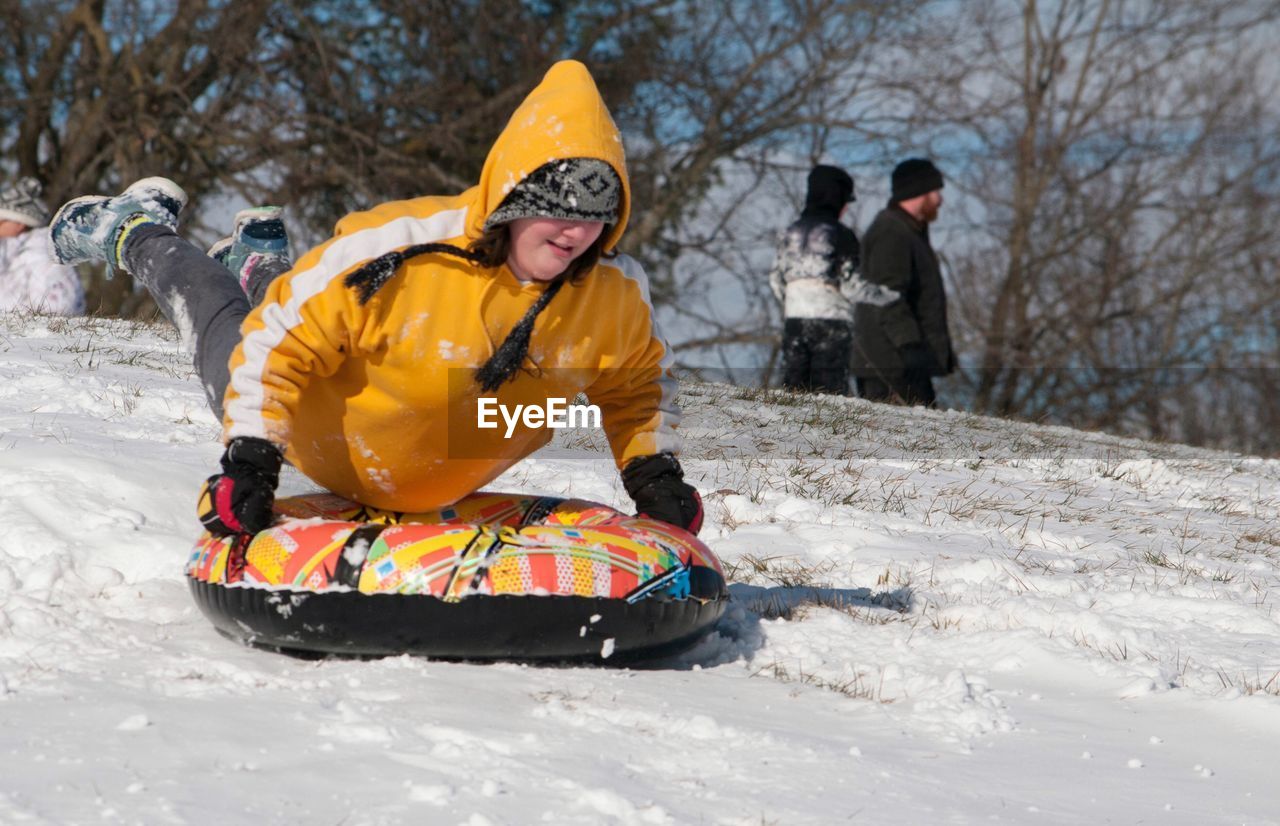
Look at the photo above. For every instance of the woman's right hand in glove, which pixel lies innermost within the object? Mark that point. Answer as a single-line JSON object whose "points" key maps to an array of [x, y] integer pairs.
{"points": [[240, 498]]}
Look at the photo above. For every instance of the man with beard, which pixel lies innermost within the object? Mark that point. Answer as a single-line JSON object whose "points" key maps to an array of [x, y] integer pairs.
{"points": [[900, 307]]}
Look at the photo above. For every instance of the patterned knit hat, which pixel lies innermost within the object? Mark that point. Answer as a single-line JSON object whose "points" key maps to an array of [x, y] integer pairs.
{"points": [[578, 189], [20, 201]]}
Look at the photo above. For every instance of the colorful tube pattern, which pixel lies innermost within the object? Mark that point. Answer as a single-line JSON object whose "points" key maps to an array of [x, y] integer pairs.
{"points": [[486, 544]]}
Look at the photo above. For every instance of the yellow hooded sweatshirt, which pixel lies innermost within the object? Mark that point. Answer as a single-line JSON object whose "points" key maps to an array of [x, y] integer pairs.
{"points": [[378, 402]]}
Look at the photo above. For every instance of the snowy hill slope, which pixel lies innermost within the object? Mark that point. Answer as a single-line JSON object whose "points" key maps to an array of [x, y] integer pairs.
{"points": [[937, 617]]}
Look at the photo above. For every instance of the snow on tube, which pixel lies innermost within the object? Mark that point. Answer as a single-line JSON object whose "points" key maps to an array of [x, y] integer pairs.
{"points": [[496, 576]]}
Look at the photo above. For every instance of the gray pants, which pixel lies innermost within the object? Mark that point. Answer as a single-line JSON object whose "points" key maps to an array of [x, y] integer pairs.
{"points": [[200, 296]]}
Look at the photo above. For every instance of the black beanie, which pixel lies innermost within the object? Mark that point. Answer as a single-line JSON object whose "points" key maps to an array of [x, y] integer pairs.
{"points": [[830, 188], [914, 176]]}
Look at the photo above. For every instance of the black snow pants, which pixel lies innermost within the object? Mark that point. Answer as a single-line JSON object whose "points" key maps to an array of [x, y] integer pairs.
{"points": [[815, 354]]}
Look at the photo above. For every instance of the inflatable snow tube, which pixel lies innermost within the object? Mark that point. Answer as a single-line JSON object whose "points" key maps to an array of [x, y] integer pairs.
{"points": [[496, 576]]}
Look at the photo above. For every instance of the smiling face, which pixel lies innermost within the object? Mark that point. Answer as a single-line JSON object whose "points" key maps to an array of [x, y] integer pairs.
{"points": [[542, 248]]}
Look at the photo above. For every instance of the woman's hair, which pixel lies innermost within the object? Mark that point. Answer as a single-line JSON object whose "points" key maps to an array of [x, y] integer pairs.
{"points": [[493, 248], [490, 250]]}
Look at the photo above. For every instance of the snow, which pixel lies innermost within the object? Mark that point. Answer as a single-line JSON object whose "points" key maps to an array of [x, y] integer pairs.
{"points": [[936, 618]]}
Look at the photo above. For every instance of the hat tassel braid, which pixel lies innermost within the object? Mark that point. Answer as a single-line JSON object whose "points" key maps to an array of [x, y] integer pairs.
{"points": [[506, 360], [503, 365]]}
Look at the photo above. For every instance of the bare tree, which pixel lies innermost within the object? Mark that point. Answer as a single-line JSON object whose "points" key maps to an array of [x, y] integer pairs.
{"points": [[747, 98], [1117, 162], [98, 93], [399, 98], [753, 85], [329, 106]]}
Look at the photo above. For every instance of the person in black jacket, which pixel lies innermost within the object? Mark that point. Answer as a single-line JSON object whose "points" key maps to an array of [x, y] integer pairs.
{"points": [[816, 262], [900, 306]]}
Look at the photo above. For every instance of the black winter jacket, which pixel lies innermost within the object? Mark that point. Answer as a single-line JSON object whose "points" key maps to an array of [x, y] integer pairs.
{"points": [[817, 256], [899, 300]]}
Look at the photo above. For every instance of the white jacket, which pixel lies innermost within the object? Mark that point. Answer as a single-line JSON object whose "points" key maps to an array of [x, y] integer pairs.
{"points": [[30, 279], [814, 269]]}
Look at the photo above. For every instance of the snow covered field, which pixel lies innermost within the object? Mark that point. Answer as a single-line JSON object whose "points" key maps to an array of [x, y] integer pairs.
{"points": [[937, 618]]}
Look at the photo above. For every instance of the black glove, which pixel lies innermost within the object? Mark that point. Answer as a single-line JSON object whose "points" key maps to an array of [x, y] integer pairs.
{"points": [[656, 484], [239, 499], [916, 356]]}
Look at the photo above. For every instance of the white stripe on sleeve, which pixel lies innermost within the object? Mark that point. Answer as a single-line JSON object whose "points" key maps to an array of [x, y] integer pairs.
{"points": [[245, 412]]}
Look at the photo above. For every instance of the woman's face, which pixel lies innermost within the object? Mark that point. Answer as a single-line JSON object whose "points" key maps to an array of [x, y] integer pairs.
{"points": [[542, 248]]}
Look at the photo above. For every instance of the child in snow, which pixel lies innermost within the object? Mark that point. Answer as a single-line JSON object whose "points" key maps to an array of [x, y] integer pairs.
{"points": [[364, 363], [29, 277], [816, 261]]}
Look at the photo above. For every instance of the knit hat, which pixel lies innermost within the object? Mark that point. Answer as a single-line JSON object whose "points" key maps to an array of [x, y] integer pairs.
{"points": [[578, 189], [20, 201], [830, 188], [915, 176]]}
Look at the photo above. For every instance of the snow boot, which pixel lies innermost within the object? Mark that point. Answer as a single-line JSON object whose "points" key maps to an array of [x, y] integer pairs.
{"points": [[95, 227], [258, 242]]}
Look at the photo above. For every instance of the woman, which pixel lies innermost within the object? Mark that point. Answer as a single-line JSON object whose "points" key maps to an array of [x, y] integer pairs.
{"points": [[363, 365]]}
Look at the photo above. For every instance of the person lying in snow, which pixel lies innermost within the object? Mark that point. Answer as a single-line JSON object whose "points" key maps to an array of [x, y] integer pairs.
{"points": [[29, 277], [363, 364]]}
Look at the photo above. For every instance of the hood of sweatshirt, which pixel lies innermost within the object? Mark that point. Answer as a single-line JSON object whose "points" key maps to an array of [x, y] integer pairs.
{"points": [[563, 117]]}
